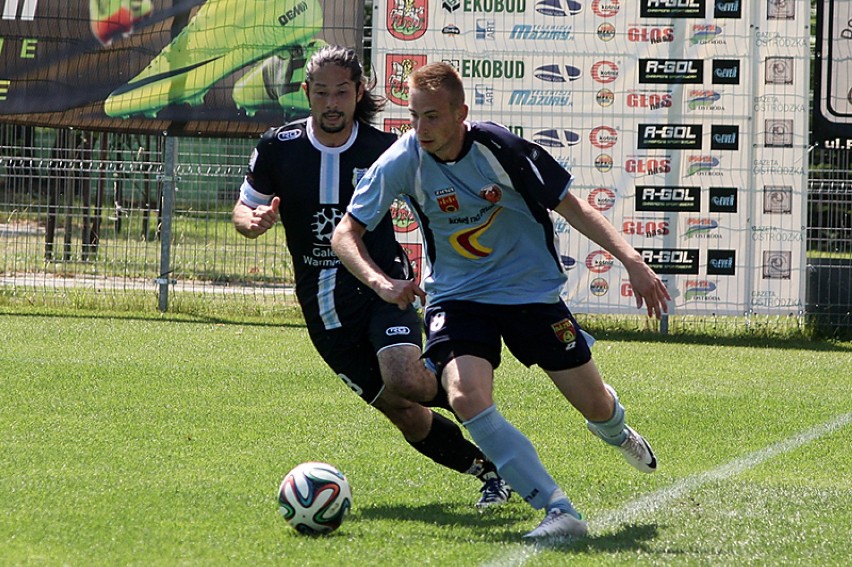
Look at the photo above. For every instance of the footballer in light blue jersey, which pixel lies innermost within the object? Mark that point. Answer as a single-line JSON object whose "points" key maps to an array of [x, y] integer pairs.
{"points": [[483, 196], [484, 215]]}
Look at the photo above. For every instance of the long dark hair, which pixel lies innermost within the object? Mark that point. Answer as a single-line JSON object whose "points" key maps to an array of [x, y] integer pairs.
{"points": [[370, 104]]}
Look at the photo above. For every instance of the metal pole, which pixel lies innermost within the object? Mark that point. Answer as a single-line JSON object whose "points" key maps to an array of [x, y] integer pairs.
{"points": [[167, 208]]}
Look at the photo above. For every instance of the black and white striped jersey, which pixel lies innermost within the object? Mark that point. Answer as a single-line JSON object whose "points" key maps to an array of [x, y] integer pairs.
{"points": [[315, 184]]}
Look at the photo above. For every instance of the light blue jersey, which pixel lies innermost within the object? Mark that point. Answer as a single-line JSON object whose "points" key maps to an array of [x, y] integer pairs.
{"points": [[487, 232]]}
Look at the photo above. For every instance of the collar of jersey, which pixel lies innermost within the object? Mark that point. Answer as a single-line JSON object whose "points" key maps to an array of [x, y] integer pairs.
{"points": [[339, 149], [465, 149]]}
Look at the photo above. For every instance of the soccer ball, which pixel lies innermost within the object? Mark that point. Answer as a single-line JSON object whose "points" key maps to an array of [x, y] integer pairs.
{"points": [[314, 498]]}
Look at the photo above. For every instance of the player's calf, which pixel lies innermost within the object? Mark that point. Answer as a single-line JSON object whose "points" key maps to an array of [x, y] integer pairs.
{"points": [[634, 448]]}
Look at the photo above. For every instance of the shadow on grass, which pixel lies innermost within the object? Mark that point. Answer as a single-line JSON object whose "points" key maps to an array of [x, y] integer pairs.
{"points": [[631, 538], [742, 340], [497, 526], [440, 515], [289, 318]]}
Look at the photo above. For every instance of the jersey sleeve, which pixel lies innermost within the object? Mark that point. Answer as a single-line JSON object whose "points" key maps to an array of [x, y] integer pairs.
{"points": [[554, 179], [392, 175], [257, 188], [541, 176]]}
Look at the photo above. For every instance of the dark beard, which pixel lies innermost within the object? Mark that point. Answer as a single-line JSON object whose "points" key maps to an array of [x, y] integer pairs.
{"points": [[331, 129]]}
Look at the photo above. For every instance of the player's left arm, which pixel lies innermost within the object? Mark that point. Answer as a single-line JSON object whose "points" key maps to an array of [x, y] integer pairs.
{"points": [[647, 286]]}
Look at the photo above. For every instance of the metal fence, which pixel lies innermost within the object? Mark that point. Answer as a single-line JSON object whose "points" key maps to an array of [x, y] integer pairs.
{"points": [[829, 283], [81, 217], [81, 223]]}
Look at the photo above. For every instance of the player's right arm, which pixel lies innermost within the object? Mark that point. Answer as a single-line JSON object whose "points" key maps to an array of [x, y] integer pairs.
{"points": [[256, 209], [375, 193], [348, 244], [252, 222]]}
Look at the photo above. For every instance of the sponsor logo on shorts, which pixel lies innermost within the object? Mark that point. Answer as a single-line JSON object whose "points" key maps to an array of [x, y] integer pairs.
{"points": [[397, 331]]}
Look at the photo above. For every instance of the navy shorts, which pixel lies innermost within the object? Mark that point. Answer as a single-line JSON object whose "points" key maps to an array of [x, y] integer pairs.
{"points": [[545, 334], [351, 351]]}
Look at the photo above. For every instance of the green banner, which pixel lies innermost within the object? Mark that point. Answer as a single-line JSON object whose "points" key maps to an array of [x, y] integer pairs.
{"points": [[186, 67]]}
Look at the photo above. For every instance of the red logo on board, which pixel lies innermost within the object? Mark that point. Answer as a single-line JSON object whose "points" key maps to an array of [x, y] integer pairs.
{"points": [[407, 19], [398, 126], [398, 68]]}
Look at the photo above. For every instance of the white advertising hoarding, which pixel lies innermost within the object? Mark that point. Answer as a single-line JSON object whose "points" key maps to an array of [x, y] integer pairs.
{"points": [[684, 123]]}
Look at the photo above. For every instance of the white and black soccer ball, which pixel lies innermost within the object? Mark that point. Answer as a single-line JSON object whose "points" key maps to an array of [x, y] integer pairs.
{"points": [[314, 498]]}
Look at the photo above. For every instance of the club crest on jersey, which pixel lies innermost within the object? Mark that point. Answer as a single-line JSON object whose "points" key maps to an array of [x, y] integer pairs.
{"points": [[492, 193], [565, 332], [447, 200], [357, 174], [287, 135]]}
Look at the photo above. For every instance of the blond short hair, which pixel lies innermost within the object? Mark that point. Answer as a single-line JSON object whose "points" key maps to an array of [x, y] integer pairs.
{"points": [[439, 76]]}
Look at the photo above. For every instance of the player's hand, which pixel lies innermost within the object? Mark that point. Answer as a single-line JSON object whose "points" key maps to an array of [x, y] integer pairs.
{"points": [[264, 217], [649, 289], [402, 293]]}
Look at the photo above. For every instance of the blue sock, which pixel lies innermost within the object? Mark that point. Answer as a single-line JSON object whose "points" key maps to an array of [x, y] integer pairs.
{"points": [[513, 455], [559, 500], [612, 430]]}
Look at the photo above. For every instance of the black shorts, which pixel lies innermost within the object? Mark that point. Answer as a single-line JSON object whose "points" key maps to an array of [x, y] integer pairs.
{"points": [[351, 351], [545, 334]]}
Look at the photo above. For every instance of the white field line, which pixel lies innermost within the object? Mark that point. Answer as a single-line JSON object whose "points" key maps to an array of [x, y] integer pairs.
{"points": [[651, 502]]}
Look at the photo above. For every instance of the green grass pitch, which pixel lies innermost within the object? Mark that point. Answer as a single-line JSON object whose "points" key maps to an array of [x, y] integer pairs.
{"points": [[137, 441]]}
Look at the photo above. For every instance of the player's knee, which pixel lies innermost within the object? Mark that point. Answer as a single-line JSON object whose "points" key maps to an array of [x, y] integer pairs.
{"points": [[469, 403], [413, 384], [405, 375]]}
